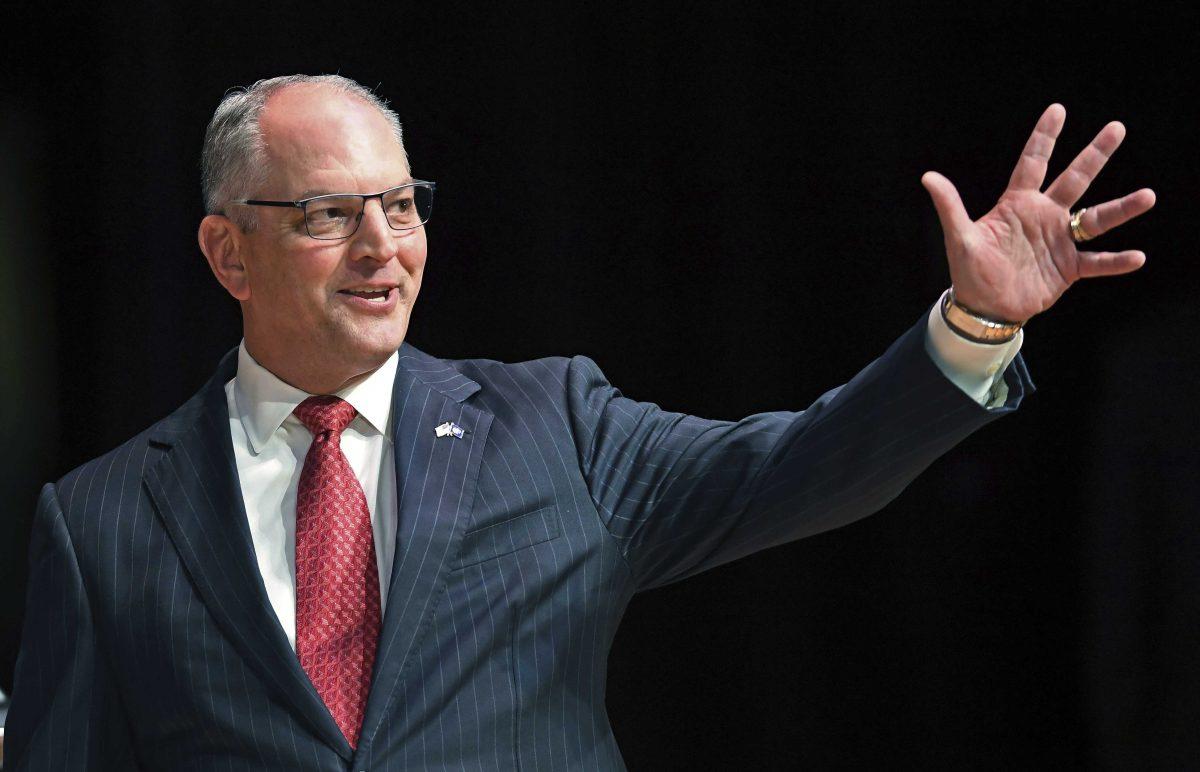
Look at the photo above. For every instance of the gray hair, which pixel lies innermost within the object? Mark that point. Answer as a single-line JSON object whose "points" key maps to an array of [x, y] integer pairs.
{"points": [[233, 162]]}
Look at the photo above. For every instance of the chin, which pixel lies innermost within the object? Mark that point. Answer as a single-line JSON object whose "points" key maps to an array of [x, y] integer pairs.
{"points": [[372, 347]]}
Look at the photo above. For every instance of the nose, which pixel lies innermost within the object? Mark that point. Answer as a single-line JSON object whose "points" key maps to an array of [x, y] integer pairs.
{"points": [[375, 239]]}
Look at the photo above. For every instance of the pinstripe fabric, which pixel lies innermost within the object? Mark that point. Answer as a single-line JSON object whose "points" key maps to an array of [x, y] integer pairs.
{"points": [[150, 640]]}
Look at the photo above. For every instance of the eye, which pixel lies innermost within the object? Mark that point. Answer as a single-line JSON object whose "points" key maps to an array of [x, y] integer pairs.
{"points": [[328, 214]]}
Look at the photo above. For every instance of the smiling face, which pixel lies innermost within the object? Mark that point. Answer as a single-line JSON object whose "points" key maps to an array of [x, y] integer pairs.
{"points": [[301, 318]]}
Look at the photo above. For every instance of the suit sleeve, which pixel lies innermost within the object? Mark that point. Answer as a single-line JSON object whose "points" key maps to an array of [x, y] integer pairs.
{"points": [[682, 494], [65, 712]]}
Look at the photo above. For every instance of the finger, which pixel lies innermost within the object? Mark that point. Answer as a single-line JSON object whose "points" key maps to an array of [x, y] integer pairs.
{"points": [[1100, 219], [1030, 171], [1093, 264], [1069, 186], [953, 215]]}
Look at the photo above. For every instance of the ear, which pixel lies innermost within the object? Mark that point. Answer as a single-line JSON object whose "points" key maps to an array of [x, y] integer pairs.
{"points": [[224, 244]]}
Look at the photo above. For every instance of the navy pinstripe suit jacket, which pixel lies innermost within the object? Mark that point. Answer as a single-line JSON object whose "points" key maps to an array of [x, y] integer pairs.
{"points": [[149, 640]]}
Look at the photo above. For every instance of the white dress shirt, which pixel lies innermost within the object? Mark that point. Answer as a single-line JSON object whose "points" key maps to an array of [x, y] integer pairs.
{"points": [[976, 368], [269, 445]]}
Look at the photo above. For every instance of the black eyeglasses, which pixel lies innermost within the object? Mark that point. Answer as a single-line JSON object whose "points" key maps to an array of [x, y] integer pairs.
{"points": [[337, 215]]}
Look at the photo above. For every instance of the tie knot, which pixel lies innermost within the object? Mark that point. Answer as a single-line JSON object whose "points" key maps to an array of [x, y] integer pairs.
{"points": [[325, 413]]}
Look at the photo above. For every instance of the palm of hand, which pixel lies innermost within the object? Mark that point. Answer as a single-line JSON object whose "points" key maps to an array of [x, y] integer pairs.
{"points": [[1012, 254], [1019, 258]]}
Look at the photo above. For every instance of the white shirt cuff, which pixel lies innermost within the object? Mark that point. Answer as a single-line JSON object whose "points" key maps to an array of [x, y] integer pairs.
{"points": [[976, 368]]}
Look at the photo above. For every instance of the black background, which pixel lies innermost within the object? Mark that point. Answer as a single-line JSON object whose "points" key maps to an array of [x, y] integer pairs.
{"points": [[720, 204]]}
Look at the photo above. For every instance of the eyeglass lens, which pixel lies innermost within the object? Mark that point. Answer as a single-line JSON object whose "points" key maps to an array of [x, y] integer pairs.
{"points": [[337, 216]]}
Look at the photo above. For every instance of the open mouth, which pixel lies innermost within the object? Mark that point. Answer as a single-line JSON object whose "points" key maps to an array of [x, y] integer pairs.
{"points": [[375, 296]]}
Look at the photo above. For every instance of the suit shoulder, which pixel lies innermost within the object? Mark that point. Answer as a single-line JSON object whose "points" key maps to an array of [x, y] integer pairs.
{"points": [[556, 369], [497, 373], [559, 377], [112, 476]]}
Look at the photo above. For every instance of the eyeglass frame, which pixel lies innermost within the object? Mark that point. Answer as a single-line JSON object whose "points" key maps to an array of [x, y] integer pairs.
{"points": [[303, 203]]}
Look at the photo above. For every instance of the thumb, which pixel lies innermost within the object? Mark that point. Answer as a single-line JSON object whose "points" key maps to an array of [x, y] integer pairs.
{"points": [[950, 209]]}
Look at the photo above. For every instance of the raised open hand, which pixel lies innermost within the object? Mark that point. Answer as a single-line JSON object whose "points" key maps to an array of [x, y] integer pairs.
{"points": [[1020, 257]]}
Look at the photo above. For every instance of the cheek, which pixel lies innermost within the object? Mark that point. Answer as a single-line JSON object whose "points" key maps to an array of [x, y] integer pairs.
{"points": [[290, 288], [412, 254], [296, 283]]}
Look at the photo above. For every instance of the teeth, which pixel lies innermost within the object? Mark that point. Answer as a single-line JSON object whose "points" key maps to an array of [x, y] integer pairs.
{"points": [[377, 295]]}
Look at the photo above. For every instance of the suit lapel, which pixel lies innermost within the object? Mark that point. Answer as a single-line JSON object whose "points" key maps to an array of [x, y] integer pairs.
{"points": [[436, 481], [195, 488]]}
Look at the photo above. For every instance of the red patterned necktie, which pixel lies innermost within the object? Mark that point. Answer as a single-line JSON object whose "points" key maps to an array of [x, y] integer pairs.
{"points": [[337, 581]]}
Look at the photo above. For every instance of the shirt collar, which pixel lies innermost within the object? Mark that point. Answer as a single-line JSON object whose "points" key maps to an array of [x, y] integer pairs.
{"points": [[264, 402]]}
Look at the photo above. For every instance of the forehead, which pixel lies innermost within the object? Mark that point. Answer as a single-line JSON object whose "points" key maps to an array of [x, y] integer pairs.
{"points": [[319, 140]]}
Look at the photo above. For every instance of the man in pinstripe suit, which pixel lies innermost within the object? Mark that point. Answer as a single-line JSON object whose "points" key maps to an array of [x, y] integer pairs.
{"points": [[513, 509]]}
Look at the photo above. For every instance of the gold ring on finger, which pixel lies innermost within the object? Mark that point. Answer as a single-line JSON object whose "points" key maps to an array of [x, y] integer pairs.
{"points": [[1077, 231]]}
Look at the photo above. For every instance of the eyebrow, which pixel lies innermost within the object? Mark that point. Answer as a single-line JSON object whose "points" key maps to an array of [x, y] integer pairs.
{"points": [[313, 192]]}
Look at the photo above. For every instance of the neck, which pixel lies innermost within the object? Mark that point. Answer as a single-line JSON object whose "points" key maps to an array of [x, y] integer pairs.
{"points": [[315, 375]]}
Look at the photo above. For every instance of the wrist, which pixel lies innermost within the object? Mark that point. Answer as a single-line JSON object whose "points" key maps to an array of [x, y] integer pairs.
{"points": [[973, 325]]}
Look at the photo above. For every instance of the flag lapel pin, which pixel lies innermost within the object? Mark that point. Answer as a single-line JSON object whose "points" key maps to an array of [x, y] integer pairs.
{"points": [[450, 429]]}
